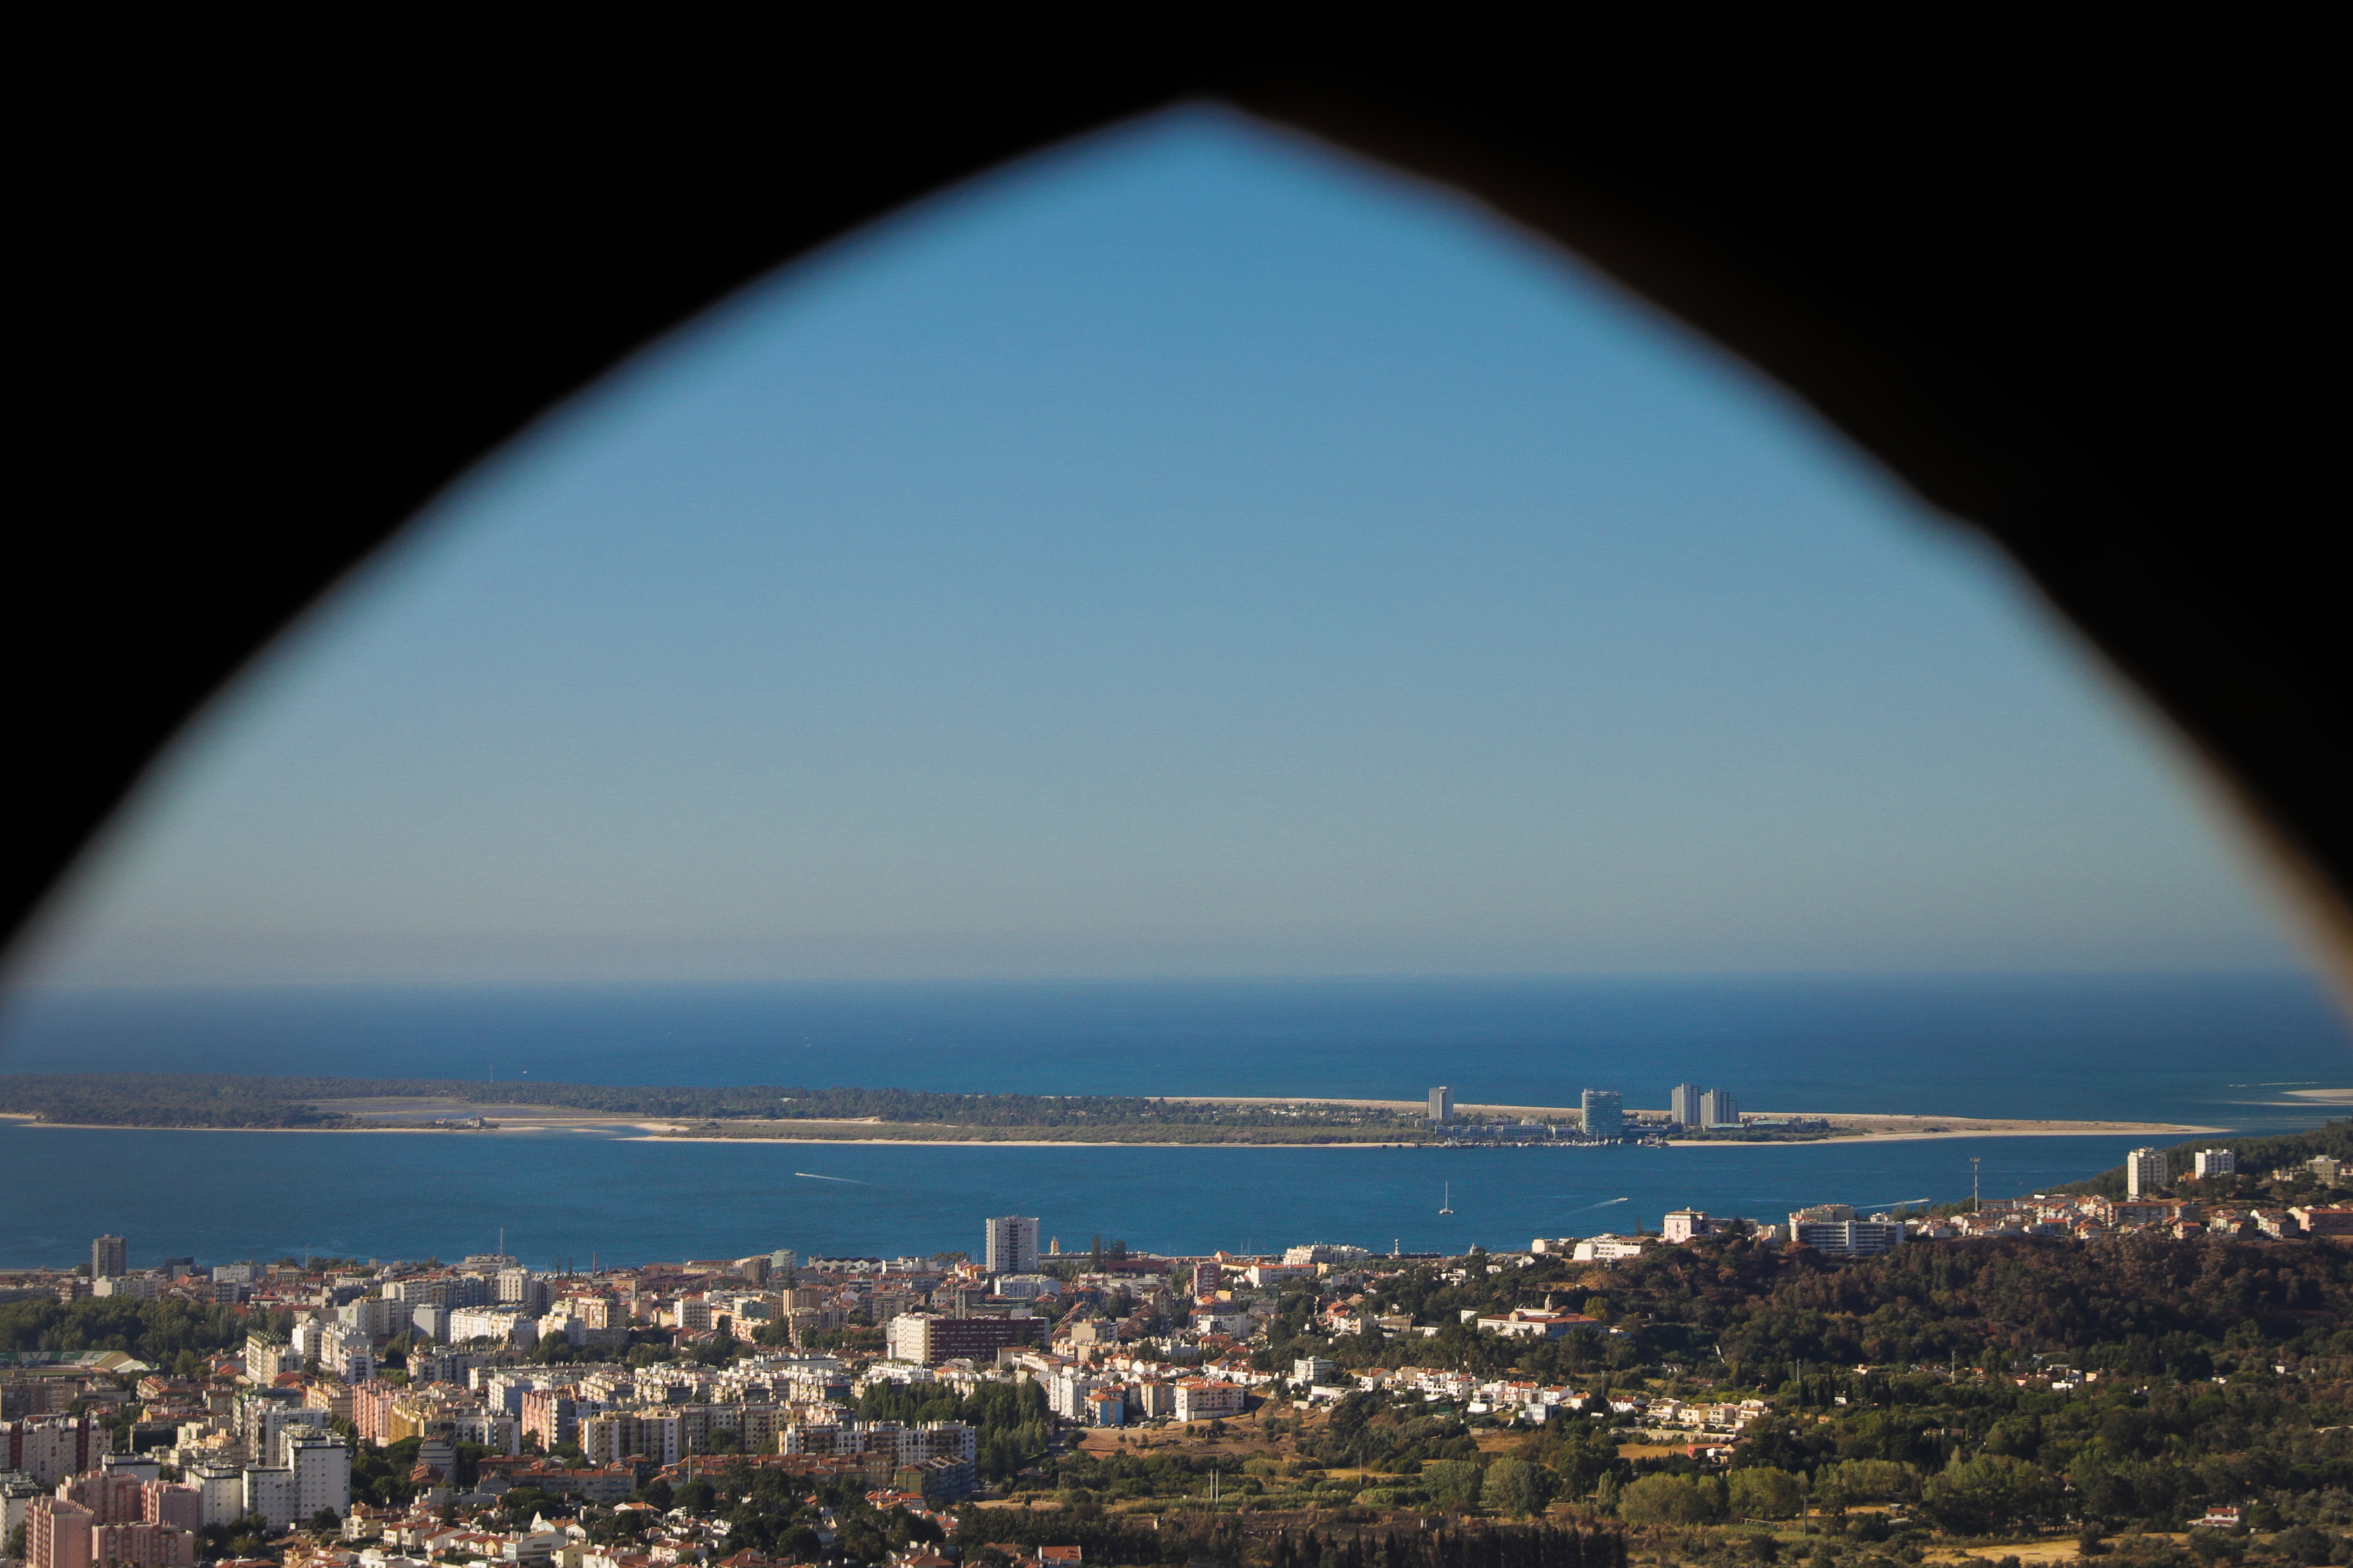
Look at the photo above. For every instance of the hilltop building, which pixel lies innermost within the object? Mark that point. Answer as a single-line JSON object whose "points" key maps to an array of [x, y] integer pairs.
{"points": [[1833, 1227], [2217, 1162]]}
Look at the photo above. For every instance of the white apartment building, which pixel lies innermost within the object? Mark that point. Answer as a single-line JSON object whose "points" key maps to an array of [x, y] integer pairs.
{"points": [[905, 1445], [492, 1324], [1683, 1105], [505, 1390], [341, 1352], [321, 1468], [1012, 1244], [493, 1429], [269, 1494], [1718, 1108], [1686, 1225], [266, 1356], [1609, 1248], [374, 1316], [1066, 1392], [2145, 1172], [1202, 1399], [569, 1326], [1849, 1237], [614, 1436], [2217, 1162], [50, 1448], [522, 1288], [263, 1425], [221, 1487], [907, 1338]]}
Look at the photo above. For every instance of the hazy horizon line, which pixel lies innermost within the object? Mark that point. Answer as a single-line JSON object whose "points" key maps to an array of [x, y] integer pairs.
{"points": [[2282, 970]]}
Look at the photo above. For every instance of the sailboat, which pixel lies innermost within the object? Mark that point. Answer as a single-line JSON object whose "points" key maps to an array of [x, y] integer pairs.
{"points": [[1448, 1205]]}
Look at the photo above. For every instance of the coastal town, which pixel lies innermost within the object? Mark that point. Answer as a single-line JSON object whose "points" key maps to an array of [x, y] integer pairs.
{"points": [[377, 1414]]}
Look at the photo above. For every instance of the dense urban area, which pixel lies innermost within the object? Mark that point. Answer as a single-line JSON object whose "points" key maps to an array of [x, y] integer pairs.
{"points": [[2157, 1365]]}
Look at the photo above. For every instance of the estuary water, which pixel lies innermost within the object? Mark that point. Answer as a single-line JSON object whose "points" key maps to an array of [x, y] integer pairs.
{"points": [[574, 1196], [2224, 1051]]}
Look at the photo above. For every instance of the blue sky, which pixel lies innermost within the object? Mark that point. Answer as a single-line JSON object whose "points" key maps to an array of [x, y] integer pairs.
{"points": [[1188, 553]]}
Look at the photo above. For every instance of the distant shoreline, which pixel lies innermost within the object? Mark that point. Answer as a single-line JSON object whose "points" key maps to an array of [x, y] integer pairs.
{"points": [[637, 1129], [1846, 1126]]}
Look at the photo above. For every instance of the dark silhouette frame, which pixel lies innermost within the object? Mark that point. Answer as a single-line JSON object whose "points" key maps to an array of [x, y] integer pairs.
{"points": [[2069, 288]]}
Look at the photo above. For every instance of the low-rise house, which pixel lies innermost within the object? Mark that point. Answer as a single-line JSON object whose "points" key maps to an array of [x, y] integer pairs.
{"points": [[1535, 1323], [1611, 1248]]}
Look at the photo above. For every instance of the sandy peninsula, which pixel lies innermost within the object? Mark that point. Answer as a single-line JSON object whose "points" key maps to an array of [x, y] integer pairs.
{"points": [[452, 1117]]}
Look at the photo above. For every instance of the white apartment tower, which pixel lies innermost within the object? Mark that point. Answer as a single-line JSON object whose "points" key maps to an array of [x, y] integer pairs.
{"points": [[321, 1476], [1683, 1105], [1441, 1106], [522, 1288], [269, 1495], [1013, 1245], [1718, 1108], [2145, 1170], [2218, 1163], [1603, 1114], [109, 1256]]}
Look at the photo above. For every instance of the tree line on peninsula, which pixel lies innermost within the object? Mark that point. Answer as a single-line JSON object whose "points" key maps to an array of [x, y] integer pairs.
{"points": [[259, 1101]]}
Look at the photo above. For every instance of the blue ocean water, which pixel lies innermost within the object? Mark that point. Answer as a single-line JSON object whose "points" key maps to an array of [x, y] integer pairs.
{"points": [[2139, 1047], [2223, 1051], [561, 1196]]}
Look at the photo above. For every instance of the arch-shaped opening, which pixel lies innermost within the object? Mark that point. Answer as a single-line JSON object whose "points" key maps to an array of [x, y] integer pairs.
{"points": [[1376, 572], [1971, 299]]}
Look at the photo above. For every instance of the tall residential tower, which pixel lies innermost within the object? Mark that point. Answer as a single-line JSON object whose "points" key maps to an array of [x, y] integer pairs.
{"points": [[2147, 1169], [108, 1256], [1013, 1245]]}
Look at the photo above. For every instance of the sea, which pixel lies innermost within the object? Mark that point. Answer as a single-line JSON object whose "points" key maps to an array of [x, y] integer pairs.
{"points": [[2229, 1051]]}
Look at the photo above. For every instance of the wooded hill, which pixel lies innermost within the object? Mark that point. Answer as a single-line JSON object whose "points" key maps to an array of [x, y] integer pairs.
{"points": [[2258, 1156]]}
